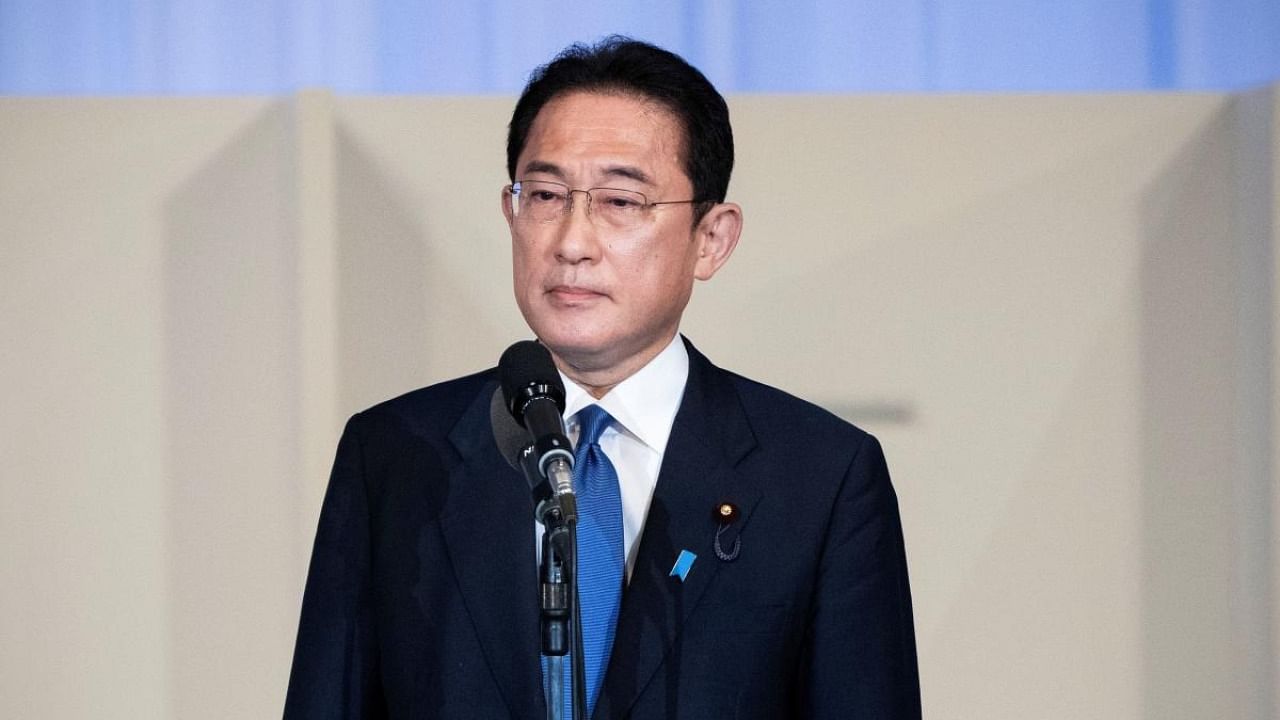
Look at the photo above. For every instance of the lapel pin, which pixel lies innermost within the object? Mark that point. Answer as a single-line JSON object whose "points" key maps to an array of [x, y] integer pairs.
{"points": [[726, 514], [683, 563]]}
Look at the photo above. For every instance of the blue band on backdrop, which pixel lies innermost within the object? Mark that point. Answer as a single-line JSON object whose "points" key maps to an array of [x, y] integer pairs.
{"points": [[490, 46]]}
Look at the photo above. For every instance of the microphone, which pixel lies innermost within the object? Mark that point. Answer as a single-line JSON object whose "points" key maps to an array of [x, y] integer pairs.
{"points": [[534, 396]]}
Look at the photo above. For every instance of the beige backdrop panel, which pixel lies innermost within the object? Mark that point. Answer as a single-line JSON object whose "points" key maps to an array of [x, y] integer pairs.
{"points": [[1056, 312]]}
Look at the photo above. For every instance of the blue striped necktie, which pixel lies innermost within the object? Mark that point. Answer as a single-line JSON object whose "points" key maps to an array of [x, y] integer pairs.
{"points": [[600, 560]]}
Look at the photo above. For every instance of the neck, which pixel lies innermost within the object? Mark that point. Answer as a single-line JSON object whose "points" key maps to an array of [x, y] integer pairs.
{"points": [[599, 380]]}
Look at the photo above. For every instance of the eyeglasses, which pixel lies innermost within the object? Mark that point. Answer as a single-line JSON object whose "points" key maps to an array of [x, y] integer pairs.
{"points": [[544, 201]]}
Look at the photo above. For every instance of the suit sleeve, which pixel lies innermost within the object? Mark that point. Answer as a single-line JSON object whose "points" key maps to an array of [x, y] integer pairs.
{"points": [[335, 668], [860, 656]]}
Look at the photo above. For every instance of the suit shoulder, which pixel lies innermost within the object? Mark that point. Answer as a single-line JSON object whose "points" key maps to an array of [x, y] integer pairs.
{"points": [[792, 433], [769, 406], [435, 406]]}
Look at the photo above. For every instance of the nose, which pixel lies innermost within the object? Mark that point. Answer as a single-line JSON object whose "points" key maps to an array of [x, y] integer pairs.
{"points": [[576, 238]]}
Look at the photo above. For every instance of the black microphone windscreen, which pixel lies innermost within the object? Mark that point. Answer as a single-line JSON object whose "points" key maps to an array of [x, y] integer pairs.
{"points": [[507, 433], [526, 370]]}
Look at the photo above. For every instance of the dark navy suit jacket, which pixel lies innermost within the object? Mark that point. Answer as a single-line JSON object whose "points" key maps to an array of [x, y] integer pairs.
{"points": [[421, 601]]}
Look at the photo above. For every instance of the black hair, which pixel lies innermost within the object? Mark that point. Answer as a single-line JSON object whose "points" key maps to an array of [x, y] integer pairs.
{"points": [[624, 66]]}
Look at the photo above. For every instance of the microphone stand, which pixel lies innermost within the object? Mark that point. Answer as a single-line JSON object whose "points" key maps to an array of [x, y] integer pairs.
{"points": [[558, 591], [554, 603]]}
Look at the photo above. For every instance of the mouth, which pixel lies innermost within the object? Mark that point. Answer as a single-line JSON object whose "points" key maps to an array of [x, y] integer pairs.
{"points": [[573, 294]]}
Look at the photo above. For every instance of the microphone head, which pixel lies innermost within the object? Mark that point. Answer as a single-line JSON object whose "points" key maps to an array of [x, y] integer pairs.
{"points": [[527, 371], [513, 442]]}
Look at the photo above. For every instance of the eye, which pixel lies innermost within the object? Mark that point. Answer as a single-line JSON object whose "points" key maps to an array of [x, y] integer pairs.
{"points": [[543, 196], [620, 201]]}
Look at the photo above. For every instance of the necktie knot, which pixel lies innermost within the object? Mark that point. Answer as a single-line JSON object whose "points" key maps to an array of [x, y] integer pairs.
{"points": [[593, 420]]}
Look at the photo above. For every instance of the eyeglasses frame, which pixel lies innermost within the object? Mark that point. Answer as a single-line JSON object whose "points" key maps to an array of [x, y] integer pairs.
{"points": [[511, 190]]}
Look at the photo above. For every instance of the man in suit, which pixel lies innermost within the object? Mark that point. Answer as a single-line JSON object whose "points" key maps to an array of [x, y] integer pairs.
{"points": [[760, 571]]}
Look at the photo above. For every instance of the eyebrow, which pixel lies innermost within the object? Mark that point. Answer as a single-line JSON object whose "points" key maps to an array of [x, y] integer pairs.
{"points": [[541, 166], [629, 172]]}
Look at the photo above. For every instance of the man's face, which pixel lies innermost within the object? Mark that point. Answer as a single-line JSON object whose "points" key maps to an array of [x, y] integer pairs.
{"points": [[601, 298]]}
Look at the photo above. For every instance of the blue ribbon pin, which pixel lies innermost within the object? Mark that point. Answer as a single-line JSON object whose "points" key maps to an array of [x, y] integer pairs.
{"points": [[683, 563]]}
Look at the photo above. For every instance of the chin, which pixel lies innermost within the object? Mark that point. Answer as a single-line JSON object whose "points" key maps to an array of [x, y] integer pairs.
{"points": [[568, 332], [568, 345], [577, 349]]}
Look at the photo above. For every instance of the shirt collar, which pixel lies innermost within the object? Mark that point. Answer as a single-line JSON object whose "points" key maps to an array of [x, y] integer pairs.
{"points": [[644, 404]]}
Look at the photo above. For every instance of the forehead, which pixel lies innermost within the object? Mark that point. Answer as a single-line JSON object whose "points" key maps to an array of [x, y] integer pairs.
{"points": [[578, 129]]}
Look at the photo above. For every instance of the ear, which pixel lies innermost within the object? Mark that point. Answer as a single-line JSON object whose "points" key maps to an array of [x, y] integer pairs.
{"points": [[716, 236], [506, 205]]}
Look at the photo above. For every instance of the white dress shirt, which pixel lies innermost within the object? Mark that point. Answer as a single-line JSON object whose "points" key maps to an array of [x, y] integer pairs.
{"points": [[643, 408]]}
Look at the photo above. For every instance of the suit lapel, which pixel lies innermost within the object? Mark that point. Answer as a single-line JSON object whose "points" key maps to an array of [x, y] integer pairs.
{"points": [[488, 530], [710, 435]]}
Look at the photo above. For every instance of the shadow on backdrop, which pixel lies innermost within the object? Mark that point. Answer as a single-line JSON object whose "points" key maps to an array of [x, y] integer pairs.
{"points": [[230, 389], [1206, 435]]}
